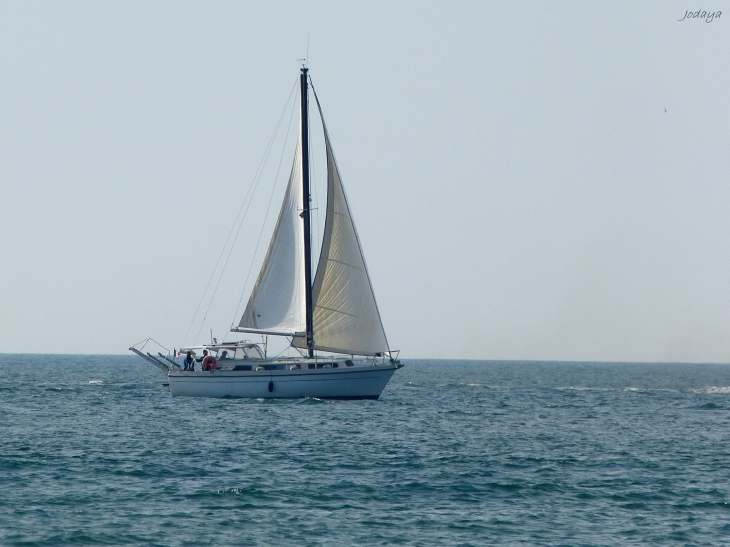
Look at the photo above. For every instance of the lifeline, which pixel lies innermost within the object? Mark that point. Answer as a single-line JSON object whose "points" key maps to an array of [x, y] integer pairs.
{"points": [[706, 15]]}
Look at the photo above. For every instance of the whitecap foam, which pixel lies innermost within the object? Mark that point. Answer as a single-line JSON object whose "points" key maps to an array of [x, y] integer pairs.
{"points": [[583, 388], [650, 389], [236, 491], [631, 389], [712, 390]]}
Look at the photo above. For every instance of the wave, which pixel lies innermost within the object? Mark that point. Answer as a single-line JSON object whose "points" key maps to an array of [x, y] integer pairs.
{"points": [[712, 390], [650, 389], [711, 406], [626, 389], [583, 388]]}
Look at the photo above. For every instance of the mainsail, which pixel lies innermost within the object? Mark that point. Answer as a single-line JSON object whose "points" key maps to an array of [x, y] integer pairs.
{"points": [[276, 305], [346, 316]]}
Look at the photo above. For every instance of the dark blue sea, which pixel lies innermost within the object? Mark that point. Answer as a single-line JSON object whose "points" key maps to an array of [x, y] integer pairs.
{"points": [[95, 451]]}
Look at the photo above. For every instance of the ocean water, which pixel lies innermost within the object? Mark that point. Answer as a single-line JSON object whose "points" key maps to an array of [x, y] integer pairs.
{"points": [[95, 451]]}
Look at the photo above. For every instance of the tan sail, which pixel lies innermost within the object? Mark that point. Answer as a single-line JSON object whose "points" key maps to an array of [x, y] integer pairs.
{"points": [[346, 316]]}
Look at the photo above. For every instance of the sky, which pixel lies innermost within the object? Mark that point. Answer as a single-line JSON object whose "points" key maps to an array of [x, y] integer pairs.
{"points": [[529, 180]]}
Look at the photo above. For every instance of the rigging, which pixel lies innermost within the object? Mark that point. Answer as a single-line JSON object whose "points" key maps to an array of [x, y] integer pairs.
{"points": [[248, 198]]}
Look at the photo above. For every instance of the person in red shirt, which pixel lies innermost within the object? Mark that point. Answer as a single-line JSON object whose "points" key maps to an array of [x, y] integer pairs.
{"points": [[209, 362]]}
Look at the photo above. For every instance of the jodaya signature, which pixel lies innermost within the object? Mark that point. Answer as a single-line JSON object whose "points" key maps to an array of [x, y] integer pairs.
{"points": [[708, 16]]}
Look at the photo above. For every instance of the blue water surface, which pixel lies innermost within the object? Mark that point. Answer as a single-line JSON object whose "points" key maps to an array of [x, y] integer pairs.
{"points": [[95, 451]]}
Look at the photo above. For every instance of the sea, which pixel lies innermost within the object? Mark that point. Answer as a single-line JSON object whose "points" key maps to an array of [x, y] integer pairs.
{"points": [[95, 451]]}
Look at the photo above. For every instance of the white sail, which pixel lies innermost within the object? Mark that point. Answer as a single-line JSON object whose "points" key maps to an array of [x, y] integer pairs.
{"points": [[277, 303], [346, 317]]}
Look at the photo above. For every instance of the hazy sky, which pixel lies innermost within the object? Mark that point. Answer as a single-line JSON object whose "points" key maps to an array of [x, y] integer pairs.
{"points": [[529, 180]]}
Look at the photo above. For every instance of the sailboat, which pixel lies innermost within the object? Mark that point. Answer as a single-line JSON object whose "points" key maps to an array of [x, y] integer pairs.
{"points": [[333, 320]]}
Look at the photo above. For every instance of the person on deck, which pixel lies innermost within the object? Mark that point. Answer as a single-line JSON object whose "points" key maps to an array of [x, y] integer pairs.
{"points": [[209, 362], [189, 362]]}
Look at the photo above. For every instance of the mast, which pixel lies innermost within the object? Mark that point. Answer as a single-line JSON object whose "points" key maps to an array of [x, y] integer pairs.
{"points": [[305, 211]]}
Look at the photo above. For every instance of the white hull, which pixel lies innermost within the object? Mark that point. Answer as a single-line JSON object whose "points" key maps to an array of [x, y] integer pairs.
{"points": [[361, 382]]}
